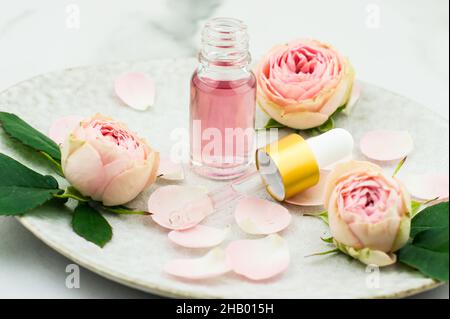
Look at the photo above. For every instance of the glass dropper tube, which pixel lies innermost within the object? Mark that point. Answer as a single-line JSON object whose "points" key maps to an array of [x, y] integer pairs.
{"points": [[248, 184]]}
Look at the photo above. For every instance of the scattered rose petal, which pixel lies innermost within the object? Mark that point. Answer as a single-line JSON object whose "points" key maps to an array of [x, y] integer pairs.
{"points": [[136, 90], [62, 127], [386, 145], [213, 264], [428, 186], [179, 207], [313, 196], [261, 217], [199, 236], [169, 170], [259, 259], [354, 97]]}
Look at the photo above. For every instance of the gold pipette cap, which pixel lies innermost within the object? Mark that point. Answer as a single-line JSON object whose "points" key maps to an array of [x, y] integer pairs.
{"points": [[292, 164]]}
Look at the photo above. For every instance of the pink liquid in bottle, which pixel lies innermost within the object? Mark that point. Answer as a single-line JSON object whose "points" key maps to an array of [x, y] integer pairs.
{"points": [[222, 106], [222, 125]]}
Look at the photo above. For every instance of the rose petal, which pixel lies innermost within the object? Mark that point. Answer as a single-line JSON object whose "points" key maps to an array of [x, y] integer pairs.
{"points": [[386, 145], [261, 217], [259, 259], [313, 196], [170, 170], [428, 186], [84, 170], [199, 236], [62, 127], [135, 89], [213, 264], [179, 207], [125, 187], [300, 120]]}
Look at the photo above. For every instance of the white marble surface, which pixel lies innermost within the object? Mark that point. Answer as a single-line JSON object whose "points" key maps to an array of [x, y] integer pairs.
{"points": [[404, 48]]}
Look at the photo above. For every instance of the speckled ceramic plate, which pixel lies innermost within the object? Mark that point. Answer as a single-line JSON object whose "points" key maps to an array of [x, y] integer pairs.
{"points": [[139, 249]]}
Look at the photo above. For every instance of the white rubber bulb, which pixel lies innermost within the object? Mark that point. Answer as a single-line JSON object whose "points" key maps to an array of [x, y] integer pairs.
{"points": [[331, 147]]}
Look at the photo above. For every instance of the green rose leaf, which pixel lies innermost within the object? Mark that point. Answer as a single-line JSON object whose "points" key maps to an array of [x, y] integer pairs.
{"points": [[22, 189], [328, 240], [435, 239], [324, 216], [122, 210], [435, 216], [431, 263], [415, 207], [327, 126], [273, 124], [428, 250], [29, 136], [73, 193], [399, 166], [15, 200], [91, 225]]}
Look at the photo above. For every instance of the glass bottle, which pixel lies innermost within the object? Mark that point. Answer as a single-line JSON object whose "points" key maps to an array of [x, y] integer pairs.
{"points": [[222, 104]]}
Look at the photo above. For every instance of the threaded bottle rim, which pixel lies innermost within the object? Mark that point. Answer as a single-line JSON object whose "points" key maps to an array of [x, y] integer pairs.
{"points": [[225, 42]]}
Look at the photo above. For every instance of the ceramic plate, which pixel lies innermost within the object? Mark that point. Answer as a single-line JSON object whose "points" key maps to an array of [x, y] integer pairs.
{"points": [[139, 248]]}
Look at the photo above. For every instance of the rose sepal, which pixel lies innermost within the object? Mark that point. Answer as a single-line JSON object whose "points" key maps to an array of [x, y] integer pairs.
{"points": [[367, 256]]}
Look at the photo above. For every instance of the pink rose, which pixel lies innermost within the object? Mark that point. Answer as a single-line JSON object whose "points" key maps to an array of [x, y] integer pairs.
{"points": [[368, 212], [104, 160], [302, 83]]}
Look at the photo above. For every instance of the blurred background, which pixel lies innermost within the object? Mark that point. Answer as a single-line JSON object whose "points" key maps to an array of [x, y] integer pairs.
{"points": [[400, 45]]}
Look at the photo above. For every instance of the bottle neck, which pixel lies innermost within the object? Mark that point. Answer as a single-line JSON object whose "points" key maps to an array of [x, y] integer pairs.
{"points": [[224, 46]]}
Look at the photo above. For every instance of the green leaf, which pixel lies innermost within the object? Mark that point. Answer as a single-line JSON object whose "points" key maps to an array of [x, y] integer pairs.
{"points": [[332, 251], [433, 239], [433, 264], [415, 207], [73, 193], [22, 189], [428, 250], [324, 217], [339, 110], [91, 225], [13, 173], [325, 127], [399, 166], [122, 210], [431, 217], [328, 240], [310, 132], [27, 135], [273, 124], [55, 163], [17, 200], [328, 125]]}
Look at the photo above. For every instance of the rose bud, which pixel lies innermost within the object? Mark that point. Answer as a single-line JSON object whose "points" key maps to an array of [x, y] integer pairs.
{"points": [[368, 212], [302, 83], [104, 160]]}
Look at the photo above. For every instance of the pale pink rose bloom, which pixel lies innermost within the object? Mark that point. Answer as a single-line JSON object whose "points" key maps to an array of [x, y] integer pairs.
{"points": [[369, 213], [302, 83], [104, 160]]}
